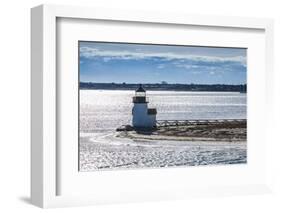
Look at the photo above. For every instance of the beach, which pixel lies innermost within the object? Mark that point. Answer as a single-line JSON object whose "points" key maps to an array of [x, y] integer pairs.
{"points": [[101, 147]]}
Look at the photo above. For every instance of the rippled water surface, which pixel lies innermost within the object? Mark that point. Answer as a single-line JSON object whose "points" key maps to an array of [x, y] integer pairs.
{"points": [[102, 110]]}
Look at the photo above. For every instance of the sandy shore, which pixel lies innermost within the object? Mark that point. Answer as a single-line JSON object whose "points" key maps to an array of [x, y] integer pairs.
{"points": [[226, 131], [165, 147]]}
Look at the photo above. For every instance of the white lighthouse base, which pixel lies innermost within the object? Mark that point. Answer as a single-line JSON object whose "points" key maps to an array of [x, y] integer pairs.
{"points": [[141, 119]]}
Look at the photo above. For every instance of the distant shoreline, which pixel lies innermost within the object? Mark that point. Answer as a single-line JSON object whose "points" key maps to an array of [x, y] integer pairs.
{"points": [[161, 90], [242, 88]]}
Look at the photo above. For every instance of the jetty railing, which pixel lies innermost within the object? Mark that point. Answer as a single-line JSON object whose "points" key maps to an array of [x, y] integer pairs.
{"points": [[166, 123]]}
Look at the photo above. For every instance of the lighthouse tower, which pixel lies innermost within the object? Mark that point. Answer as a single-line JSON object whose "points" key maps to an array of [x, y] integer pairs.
{"points": [[143, 117]]}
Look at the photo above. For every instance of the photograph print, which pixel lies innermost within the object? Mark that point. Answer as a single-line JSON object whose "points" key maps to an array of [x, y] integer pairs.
{"points": [[154, 105]]}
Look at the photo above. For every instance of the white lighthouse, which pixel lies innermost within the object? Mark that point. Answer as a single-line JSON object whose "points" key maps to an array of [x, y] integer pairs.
{"points": [[143, 117]]}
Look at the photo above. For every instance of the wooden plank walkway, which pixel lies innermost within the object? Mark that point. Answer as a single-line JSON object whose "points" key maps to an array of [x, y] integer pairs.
{"points": [[165, 123]]}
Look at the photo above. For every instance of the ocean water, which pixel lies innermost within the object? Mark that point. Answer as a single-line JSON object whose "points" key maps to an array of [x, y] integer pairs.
{"points": [[105, 110], [101, 112]]}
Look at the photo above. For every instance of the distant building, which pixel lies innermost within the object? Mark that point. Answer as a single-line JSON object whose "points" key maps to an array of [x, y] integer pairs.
{"points": [[143, 117]]}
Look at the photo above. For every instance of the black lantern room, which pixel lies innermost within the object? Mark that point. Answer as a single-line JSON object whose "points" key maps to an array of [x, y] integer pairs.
{"points": [[140, 95]]}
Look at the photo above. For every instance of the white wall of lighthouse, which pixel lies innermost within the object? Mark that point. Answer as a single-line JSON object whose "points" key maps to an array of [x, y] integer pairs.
{"points": [[143, 117]]}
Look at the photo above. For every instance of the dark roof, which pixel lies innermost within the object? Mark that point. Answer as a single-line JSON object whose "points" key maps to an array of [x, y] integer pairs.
{"points": [[140, 89], [151, 111]]}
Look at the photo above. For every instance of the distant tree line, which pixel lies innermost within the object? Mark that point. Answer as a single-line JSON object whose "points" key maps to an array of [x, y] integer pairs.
{"points": [[166, 86]]}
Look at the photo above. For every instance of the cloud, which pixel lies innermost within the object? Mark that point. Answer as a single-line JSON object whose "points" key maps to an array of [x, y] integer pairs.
{"points": [[186, 66], [161, 66], [91, 52]]}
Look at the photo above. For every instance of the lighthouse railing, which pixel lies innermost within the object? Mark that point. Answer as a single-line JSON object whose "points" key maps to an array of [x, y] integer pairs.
{"points": [[166, 123]]}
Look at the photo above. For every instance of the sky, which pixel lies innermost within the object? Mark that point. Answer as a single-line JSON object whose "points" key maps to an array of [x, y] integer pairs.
{"points": [[102, 62]]}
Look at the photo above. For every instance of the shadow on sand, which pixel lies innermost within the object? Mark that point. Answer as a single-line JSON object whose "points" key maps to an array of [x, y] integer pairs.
{"points": [[145, 131]]}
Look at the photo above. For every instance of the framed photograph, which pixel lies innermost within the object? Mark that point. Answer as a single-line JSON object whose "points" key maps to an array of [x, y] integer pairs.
{"points": [[151, 105], [129, 106]]}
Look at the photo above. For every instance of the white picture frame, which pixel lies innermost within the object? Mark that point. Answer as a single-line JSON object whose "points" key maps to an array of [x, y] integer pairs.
{"points": [[44, 148]]}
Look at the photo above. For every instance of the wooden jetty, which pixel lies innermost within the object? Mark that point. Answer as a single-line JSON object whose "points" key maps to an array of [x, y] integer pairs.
{"points": [[166, 123]]}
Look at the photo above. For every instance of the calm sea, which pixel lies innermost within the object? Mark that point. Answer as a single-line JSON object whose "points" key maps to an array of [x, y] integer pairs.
{"points": [[104, 110]]}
